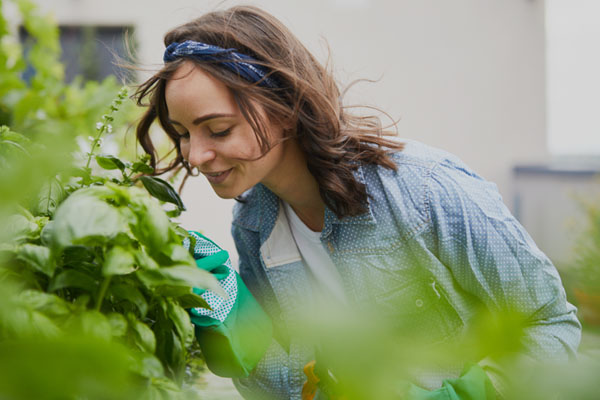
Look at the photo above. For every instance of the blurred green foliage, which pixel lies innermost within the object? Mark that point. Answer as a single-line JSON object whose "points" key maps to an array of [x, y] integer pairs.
{"points": [[362, 356], [587, 251], [585, 278], [93, 275], [45, 105]]}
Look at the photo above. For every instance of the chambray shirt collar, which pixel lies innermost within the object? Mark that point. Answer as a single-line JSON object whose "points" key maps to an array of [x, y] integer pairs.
{"points": [[263, 209], [255, 215]]}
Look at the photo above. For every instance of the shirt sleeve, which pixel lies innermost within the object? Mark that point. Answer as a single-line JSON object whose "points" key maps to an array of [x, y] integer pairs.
{"points": [[492, 257]]}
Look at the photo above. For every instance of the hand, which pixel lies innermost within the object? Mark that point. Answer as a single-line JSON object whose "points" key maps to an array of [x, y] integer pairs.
{"points": [[327, 385]]}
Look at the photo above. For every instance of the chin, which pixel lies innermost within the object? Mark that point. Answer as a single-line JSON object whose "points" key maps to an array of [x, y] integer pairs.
{"points": [[227, 194], [231, 190]]}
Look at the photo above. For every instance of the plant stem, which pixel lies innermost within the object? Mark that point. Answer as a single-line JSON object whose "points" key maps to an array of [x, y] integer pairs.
{"points": [[91, 153], [102, 293], [107, 119]]}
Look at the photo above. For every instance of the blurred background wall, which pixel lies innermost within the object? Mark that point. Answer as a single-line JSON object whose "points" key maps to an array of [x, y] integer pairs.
{"points": [[484, 79]]}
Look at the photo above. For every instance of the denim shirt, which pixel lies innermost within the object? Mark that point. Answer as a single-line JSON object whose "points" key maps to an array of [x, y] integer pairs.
{"points": [[435, 234]]}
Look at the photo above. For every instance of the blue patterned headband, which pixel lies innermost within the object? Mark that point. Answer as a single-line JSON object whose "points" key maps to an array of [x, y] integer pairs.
{"points": [[241, 64]]}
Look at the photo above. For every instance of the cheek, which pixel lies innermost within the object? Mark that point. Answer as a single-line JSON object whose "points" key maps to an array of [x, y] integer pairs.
{"points": [[246, 147]]}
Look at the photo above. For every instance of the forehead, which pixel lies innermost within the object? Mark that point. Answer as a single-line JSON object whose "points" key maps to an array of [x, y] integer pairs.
{"points": [[192, 91]]}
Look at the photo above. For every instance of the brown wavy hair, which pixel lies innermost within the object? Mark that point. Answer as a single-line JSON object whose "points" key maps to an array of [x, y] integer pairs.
{"points": [[306, 99]]}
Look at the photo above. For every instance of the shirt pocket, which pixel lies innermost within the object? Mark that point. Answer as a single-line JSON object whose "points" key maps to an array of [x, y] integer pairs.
{"points": [[420, 311]]}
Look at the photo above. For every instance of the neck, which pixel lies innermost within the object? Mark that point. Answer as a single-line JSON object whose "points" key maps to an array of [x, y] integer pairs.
{"points": [[295, 185]]}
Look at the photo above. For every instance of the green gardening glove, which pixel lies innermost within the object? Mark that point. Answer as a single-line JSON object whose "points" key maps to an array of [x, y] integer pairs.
{"points": [[235, 333], [473, 384]]}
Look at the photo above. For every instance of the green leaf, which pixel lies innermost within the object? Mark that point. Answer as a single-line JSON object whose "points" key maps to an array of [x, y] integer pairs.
{"points": [[183, 294], [81, 302], [38, 257], [181, 320], [74, 255], [144, 260], [46, 303], [130, 293], [192, 300], [177, 357], [118, 324], [110, 162], [18, 227], [75, 279], [147, 365], [194, 277], [118, 261], [145, 337], [50, 196], [92, 323], [85, 173], [7, 135], [22, 323], [181, 276], [162, 190], [178, 254], [174, 213], [17, 146], [142, 167], [152, 227], [85, 219], [46, 234], [163, 388]]}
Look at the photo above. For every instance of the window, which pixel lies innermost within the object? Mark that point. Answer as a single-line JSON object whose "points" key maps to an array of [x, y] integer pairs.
{"points": [[88, 51]]}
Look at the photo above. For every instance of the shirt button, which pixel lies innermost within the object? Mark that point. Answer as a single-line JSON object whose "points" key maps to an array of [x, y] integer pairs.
{"points": [[419, 303], [330, 247]]}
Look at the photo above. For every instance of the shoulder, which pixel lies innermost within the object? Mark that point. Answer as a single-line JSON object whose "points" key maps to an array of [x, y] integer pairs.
{"points": [[425, 166], [448, 192], [411, 178], [427, 180], [418, 155], [416, 161]]}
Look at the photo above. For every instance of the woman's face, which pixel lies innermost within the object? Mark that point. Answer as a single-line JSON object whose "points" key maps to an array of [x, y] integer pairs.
{"points": [[215, 137]]}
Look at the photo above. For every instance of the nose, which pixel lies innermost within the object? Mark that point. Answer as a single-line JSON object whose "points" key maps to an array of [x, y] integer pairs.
{"points": [[199, 151]]}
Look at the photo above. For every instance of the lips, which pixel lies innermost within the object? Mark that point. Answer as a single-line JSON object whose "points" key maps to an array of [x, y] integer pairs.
{"points": [[217, 177]]}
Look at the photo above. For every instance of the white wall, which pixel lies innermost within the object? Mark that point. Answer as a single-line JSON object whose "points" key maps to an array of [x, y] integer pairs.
{"points": [[573, 62], [463, 75], [550, 205]]}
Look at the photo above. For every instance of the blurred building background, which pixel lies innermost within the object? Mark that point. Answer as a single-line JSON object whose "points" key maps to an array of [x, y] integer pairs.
{"points": [[510, 86]]}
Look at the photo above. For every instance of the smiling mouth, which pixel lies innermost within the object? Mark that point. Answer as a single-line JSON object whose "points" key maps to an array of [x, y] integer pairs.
{"points": [[217, 177]]}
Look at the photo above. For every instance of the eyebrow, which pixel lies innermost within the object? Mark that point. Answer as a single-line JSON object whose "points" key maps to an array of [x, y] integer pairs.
{"points": [[203, 118]]}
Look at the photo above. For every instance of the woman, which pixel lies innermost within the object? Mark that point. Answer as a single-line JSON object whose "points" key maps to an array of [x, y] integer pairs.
{"points": [[329, 206]]}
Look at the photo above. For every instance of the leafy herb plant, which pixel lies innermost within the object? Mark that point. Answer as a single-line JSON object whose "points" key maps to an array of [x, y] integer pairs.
{"points": [[94, 277]]}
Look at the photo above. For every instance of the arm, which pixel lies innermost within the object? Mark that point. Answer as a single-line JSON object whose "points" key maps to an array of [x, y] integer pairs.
{"points": [[235, 333], [270, 379], [492, 257]]}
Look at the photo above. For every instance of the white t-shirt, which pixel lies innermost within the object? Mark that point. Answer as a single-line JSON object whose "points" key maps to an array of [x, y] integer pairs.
{"points": [[326, 276]]}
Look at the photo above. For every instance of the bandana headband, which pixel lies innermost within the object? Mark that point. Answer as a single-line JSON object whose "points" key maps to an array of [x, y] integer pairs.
{"points": [[241, 64]]}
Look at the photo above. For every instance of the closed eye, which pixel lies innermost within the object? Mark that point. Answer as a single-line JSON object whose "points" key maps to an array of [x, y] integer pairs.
{"points": [[221, 133]]}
